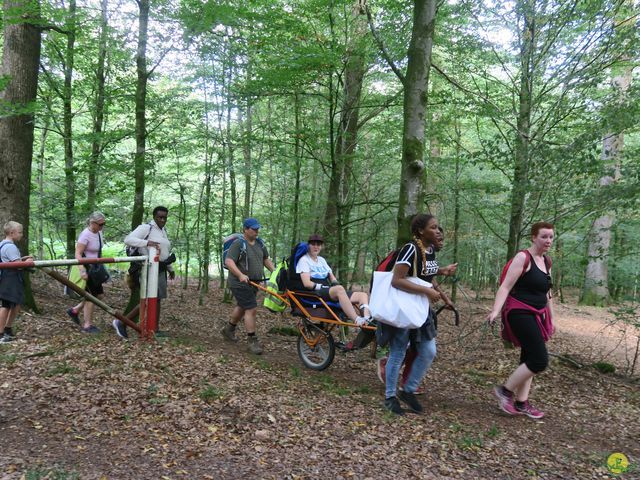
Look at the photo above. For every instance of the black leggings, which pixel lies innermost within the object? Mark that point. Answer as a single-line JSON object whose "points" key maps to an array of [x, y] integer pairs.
{"points": [[533, 351]]}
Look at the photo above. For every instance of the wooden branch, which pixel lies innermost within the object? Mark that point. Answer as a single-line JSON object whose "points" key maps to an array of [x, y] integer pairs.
{"points": [[382, 48]]}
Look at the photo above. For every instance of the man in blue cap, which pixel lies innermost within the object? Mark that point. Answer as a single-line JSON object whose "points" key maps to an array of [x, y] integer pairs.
{"points": [[246, 260]]}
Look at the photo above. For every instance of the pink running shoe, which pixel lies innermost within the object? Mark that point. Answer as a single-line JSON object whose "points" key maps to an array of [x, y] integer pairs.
{"points": [[530, 411], [382, 366], [505, 401]]}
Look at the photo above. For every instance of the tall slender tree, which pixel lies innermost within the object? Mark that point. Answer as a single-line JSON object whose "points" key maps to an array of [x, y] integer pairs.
{"points": [[141, 113], [100, 99], [20, 61], [416, 83]]}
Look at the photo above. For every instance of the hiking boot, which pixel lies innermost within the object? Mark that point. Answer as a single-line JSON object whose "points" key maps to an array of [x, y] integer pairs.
{"points": [[121, 329], [382, 369], [254, 345], [411, 400], [91, 329], [5, 339], [8, 333], [229, 333], [393, 405], [74, 315], [527, 409], [505, 400]]}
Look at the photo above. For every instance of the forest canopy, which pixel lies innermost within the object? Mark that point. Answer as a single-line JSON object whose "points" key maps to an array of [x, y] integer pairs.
{"points": [[296, 113]]}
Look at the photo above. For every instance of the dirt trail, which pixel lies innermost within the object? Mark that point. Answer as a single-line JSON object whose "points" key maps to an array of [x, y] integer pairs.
{"points": [[193, 406]]}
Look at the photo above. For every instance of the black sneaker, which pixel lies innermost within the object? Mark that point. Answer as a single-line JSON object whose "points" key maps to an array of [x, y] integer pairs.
{"points": [[121, 329], [411, 400], [5, 339], [393, 405], [8, 333], [74, 315]]}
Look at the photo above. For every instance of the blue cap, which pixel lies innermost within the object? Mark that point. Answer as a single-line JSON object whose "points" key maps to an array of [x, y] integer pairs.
{"points": [[251, 223]]}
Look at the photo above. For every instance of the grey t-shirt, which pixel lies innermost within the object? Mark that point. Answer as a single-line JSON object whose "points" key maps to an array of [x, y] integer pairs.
{"points": [[255, 255]]}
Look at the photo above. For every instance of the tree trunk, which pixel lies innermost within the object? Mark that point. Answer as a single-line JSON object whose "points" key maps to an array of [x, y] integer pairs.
{"points": [[526, 11], [339, 196], [596, 283], [98, 119], [298, 159], [67, 119], [246, 150], [141, 114], [416, 84], [456, 208], [208, 161], [20, 61], [40, 182]]}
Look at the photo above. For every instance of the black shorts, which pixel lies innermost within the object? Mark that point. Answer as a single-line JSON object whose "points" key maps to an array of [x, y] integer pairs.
{"points": [[7, 304], [245, 295], [93, 288]]}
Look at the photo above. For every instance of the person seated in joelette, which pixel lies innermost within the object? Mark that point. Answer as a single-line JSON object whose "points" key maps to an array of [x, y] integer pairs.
{"points": [[316, 275]]}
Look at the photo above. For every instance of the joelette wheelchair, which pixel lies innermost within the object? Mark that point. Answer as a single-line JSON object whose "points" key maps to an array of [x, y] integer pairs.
{"points": [[316, 317]]}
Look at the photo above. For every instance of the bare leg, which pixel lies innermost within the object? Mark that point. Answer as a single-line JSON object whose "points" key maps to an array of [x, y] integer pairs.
{"points": [[250, 320], [339, 293], [13, 313], [520, 382], [236, 315], [88, 311], [4, 315], [523, 391], [361, 298]]}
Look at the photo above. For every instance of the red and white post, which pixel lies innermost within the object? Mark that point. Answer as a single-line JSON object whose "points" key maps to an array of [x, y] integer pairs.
{"points": [[149, 294]]}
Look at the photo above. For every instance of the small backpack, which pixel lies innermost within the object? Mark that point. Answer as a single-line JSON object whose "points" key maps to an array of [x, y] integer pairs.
{"points": [[277, 283], [527, 261], [293, 280], [134, 251], [230, 240], [387, 264]]}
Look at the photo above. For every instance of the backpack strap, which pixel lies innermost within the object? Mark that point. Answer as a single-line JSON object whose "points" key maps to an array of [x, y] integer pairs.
{"points": [[149, 232], [527, 261], [243, 251]]}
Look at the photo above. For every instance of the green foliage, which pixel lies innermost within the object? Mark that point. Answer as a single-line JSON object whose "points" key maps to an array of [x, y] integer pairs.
{"points": [[604, 367], [41, 473], [283, 66], [62, 368], [210, 393]]}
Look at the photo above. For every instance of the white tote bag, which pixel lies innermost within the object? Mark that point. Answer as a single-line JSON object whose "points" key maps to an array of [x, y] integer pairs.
{"points": [[396, 307]]}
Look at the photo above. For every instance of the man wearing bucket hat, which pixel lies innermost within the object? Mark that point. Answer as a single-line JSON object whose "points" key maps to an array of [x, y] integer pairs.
{"points": [[246, 260]]}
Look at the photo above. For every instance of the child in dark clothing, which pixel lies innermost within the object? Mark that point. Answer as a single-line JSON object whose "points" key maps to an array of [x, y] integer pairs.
{"points": [[11, 281]]}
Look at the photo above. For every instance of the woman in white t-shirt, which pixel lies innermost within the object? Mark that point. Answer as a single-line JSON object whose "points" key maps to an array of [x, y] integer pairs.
{"points": [[317, 275]]}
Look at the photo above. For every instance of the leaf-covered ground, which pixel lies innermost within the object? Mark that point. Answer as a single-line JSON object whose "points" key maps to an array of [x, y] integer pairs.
{"points": [[193, 406]]}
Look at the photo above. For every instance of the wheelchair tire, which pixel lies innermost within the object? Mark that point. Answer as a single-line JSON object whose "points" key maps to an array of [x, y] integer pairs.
{"points": [[319, 356]]}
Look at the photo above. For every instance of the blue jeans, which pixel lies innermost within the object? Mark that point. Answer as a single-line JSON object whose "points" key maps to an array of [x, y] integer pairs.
{"points": [[426, 352]]}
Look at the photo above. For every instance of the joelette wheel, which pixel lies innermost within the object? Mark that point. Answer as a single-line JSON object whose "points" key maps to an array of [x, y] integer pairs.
{"points": [[316, 347]]}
